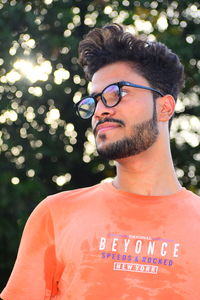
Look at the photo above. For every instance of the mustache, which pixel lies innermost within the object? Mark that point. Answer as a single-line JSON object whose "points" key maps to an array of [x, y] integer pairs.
{"points": [[106, 120]]}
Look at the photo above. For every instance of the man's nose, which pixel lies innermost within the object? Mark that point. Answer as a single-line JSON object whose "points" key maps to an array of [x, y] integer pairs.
{"points": [[102, 110]]}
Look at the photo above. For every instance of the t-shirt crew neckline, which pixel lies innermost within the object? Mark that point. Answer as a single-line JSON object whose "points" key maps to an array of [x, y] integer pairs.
{"points": [[108, 187]]}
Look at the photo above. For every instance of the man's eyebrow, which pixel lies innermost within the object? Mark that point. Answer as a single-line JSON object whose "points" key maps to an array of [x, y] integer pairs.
{"points": [[95, 94]]}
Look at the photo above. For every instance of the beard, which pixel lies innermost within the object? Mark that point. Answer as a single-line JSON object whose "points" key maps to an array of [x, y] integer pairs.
{"points": [[143, 136]]}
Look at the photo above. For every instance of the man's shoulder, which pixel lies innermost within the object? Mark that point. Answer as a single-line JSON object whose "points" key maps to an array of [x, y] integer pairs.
{"points": [[192, 195], [73, 196], [191, 202]]}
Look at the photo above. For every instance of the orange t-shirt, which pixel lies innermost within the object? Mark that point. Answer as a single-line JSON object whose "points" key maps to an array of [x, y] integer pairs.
{"points": [[101, 243]]}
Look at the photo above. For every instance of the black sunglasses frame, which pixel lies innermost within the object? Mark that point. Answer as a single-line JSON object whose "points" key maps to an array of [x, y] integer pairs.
{"points": [[120, 85]]}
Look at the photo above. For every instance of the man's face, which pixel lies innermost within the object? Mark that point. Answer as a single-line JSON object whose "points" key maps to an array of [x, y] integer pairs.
{"points": [[130, 127]]}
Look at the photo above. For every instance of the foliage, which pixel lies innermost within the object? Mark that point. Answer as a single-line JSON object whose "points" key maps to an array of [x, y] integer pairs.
{"points": [[44, 147]]}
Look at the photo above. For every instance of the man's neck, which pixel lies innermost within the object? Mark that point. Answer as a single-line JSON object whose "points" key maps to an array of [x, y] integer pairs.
{"points": [[147, 174]]}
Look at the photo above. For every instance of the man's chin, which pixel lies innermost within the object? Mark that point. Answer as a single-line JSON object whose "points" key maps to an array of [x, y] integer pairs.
{"points": [[105, 152], [109, 152]]}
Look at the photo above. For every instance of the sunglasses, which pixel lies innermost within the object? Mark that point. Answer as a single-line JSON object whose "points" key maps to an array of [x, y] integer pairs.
{"points": [[110, 96]]}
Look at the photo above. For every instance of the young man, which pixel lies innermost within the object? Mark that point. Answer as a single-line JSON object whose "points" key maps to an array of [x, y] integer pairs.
{"points": [[134, 238]]}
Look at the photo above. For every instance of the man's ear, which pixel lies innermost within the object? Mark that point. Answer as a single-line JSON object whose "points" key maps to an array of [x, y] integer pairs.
{"points": [[166, 107]]}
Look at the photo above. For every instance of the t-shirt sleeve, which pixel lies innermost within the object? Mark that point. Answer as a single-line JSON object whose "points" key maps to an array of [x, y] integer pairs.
{"points": [[33, 273]]}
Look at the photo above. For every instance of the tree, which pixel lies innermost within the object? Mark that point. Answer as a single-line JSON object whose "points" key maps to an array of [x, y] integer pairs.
{"points": [[44, 147]]}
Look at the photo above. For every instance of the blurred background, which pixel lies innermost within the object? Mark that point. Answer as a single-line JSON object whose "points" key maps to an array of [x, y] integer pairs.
{"points": [[44, 147]]}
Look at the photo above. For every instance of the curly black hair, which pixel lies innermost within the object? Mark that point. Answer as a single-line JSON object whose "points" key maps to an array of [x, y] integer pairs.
{"points": [[153, 60]]}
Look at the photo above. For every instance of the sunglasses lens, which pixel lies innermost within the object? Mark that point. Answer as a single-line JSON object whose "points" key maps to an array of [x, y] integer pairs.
{"points": [[86, 108], [111, 95]]}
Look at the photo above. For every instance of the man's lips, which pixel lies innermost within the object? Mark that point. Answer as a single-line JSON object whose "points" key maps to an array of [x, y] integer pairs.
{"points": [[106, 126]]}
